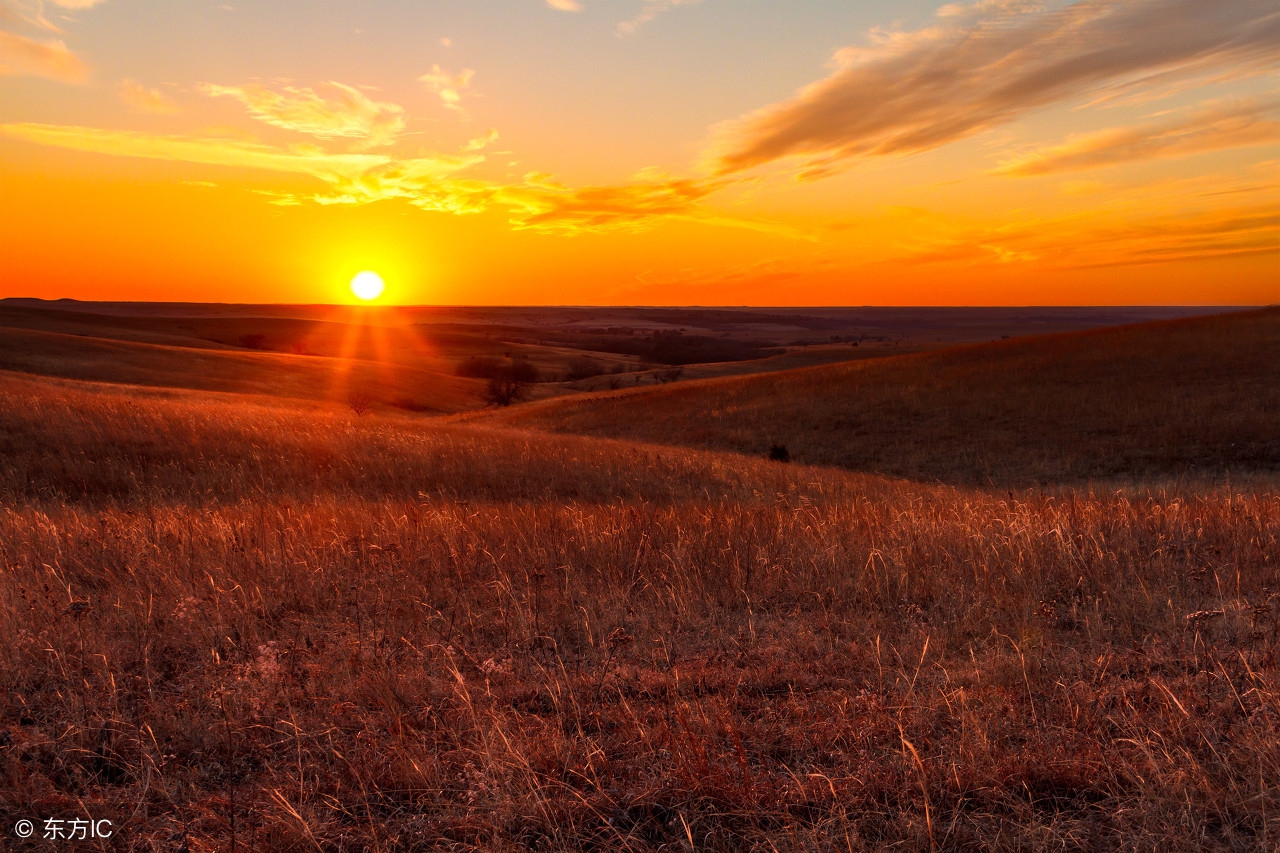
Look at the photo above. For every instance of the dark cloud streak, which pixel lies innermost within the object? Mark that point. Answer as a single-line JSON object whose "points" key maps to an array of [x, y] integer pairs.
{"points": [[986, 64]]}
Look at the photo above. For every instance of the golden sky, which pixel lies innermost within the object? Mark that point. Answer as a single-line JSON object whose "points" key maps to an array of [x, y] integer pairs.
{"points": [[708, 152]]}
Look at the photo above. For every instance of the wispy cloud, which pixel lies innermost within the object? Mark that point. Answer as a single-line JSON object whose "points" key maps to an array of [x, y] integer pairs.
{"points": [[330, 168], [482, 142], [448, 86], [985, 64], [32, 12], [434, 183], [140, 99], [351, 114], [650, 10], [1085, 242], [541, 203], [22, 56], [565, 5], [1220, 126]]}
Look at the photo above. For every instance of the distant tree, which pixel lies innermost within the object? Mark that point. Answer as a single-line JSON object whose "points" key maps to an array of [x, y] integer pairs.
{"points": [[506, 386], [359, 402], [584, 367], [524, 370], [253, 341], [779, 453], [669, 375]]}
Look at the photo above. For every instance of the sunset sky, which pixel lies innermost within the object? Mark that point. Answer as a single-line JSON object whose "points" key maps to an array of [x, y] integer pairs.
{"points": [[694, 152]]}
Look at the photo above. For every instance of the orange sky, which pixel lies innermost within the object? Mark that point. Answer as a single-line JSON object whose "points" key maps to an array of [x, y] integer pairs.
{"points": [[646, 152]]}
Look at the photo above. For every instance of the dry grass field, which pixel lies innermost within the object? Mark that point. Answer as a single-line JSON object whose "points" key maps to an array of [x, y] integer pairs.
{"points": [[246, 622], [1175, 398], [410, 358]]}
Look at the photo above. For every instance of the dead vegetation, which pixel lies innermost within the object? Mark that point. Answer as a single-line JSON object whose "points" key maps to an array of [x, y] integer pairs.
{"points": [[1177, 398], [263, 626]]}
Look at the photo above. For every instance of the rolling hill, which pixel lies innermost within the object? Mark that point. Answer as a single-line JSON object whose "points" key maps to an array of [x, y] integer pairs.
{"points": [[222, 369], [1179, 397]]}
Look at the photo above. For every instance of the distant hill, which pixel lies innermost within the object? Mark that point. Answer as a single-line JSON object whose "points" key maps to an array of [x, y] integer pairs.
{"points": [[218, 368], [1177, 397]]}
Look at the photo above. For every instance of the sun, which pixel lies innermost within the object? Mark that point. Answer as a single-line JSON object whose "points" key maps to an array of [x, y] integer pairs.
{"points": [[367, 285]]}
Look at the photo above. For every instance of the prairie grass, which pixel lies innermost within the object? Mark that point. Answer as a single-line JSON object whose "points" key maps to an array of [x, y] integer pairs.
{"points": [[1175, 398], [217, 369], [233, 624]]}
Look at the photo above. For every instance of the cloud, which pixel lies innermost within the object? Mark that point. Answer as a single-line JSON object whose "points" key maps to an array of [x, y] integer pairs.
{"points": [[448, 86], [331, 168], [481, 142], [565, 5], [1217, 127], [985, 64], [31, 12], [351, 114], [541, 203], [140, 99], [1084, 242], [22, 56], [434, 183], [650, 10]]}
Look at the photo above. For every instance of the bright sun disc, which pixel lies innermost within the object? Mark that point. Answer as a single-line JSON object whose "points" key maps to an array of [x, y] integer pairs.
{"points": [[367, 285]]}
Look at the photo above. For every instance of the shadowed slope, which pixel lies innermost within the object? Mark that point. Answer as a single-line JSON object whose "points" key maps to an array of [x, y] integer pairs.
{"points": [[1177, 397], [301, 377]]}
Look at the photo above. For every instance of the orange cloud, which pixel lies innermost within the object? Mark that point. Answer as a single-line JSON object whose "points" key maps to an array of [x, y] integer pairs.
{"points": [[330, 168], [1212, 129], [140, 99], [481, 142], [543, 204], [448, 86], [32, 11], [351, 114], [24, 56], [981, 65], [434, 183], [1086, 242], [565, 5]]}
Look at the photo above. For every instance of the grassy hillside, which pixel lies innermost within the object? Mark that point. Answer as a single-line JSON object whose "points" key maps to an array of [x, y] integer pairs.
{"points": [[222, 369], [1180, 397], [232, 623]]}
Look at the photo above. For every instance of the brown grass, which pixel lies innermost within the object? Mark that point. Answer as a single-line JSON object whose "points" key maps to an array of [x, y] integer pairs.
{"points": [[229, 624], [1177, 398], [229, 371]]}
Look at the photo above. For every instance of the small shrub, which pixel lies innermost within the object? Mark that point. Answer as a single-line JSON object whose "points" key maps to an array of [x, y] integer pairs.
{"points": [[671, 374], [506, 386], [359, 402], [584, 368], [779, 453], [253, 341]]}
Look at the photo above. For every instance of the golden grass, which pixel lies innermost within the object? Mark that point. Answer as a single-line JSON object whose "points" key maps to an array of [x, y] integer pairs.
{"points": [[1176, 398], [298, 377], [233, 624]]}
